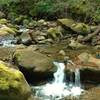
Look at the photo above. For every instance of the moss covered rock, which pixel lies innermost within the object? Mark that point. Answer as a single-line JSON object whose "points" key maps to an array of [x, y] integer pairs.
{"points": [[12, 84], [3, 21], [5, 30], [33, 24], [80, 28], [19, 19], [74, 26], [67, 22], [54, 32], [25, 22]]}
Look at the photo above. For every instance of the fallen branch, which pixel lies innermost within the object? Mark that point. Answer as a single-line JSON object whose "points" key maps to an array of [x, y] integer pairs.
{"points": [[87, 38]]}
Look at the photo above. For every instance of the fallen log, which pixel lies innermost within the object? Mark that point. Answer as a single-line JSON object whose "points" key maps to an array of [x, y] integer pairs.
{"points": [[87, 38]]}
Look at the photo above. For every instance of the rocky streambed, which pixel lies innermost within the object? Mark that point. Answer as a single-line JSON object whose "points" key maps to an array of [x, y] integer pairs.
{"points": [[31, 54], [35, 62]]}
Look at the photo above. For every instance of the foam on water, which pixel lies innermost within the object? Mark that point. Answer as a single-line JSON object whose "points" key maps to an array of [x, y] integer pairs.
{"points": [[58, 88], [8, 43]]}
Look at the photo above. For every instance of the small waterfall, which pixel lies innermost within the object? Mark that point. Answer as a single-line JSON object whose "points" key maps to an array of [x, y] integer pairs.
{"points": [[58, 89], [59, 75], [77, 78]]}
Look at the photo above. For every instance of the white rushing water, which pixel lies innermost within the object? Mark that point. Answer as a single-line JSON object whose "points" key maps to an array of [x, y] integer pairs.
{"points": [[77, 78], [8, 43], [58, 89]]}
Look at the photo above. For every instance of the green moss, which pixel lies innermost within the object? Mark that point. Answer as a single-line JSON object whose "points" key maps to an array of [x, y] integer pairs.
{"points": [[5, 30], [3, 21], [66, 21], [12, 83], [54, 33], [80, 28], [75, 26], [33, 24], [25, 22]]}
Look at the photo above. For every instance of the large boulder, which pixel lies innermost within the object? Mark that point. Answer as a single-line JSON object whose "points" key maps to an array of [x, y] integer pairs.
{"points": [[13, 84], [74, 26], [35, 66], [87, 58], [89, 67], [90, 74], [30, 59]]}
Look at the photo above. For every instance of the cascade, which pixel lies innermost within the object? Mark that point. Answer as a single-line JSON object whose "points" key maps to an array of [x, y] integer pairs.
{"points": [[58, 88], [77, 78]]}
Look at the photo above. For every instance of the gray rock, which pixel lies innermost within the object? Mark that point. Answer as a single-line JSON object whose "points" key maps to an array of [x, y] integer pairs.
{"points": [[62, 52], [76, 45], [39, 38], [30, 59]]}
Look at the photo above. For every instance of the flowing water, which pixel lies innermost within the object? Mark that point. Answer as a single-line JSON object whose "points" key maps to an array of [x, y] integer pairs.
{"points": [[10, 41], [58, 88], [77, 78], [7, 41]]}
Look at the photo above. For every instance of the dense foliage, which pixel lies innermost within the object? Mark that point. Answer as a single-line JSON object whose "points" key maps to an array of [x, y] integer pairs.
{"points": [[84, 10]]}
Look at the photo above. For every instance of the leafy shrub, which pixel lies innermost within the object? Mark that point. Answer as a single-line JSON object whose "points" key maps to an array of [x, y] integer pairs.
{"points": [[47, 9], [83, 10]]}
